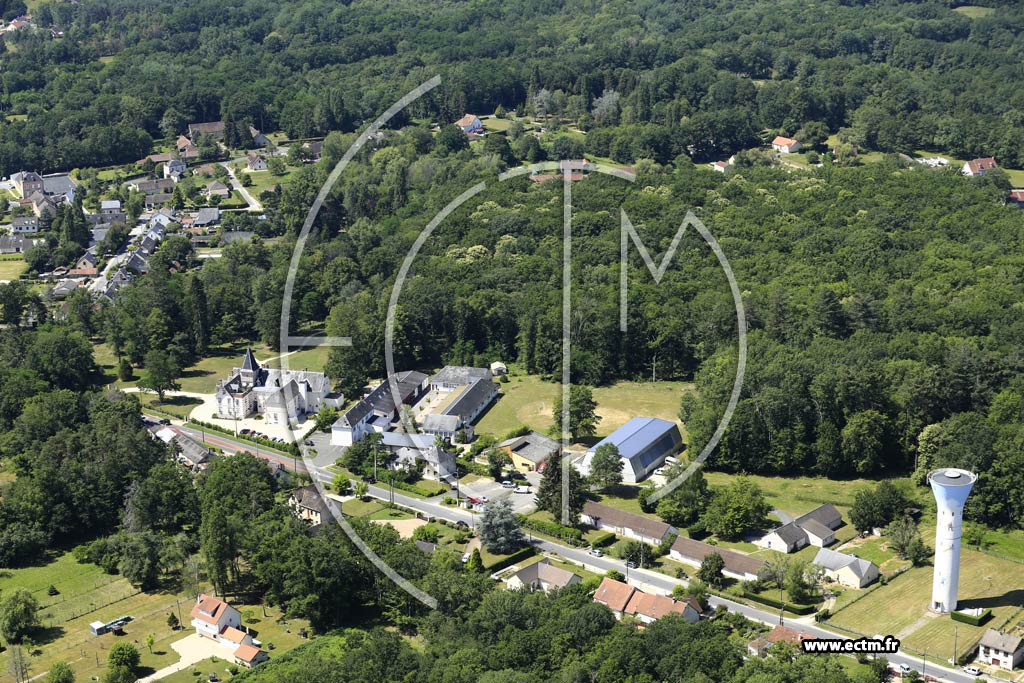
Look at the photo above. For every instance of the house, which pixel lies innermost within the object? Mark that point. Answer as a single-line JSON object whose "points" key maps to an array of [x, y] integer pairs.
{"points": [[426, 547], [206, 217], [530, 450], [720, 166], [315, 149], [64, 288], [150, 187], [462, 410], [614, 595], [377, 410], [42, 204], [217, 189], [308, 505], [279, 395], [250, 656], [214, 129], [161, 158], [847, 570], [85, 266], [643, 443], [1002, 650], [153, 201], [542, 576], [409, 449], [258, 138], [470, 124], [109, 207], [648, 608], [784, 145], [211, 616], [192, 454], [1017, 197], [175, 169], [24, 225], [780, 634], [785, 539], [16, 244], [976, 168], [628, 524], [737, 565], [59, 185], [814, 528], [255, 162], [26, 183]]}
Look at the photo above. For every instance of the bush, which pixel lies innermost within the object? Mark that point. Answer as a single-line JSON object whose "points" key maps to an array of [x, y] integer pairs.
{"points": [[697, 531], [572, 535], [971, 619], [772, 602], [509, 560], [418, 490], [603, 540]]}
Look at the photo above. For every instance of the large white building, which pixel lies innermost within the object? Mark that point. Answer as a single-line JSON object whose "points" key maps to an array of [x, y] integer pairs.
{"points": [[280, 396], [951, 488], [643, 443]]}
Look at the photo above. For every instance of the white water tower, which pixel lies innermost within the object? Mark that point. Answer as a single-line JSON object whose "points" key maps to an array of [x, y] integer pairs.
{"points": [[951, 488]]}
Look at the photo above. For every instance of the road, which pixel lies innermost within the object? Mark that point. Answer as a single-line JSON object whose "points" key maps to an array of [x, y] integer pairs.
{"points": [[254, 205], [644, 579]]}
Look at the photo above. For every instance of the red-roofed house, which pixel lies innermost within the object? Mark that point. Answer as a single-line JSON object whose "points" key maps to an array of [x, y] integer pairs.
{"points": [[470, 124], [250, 655], [649, 608], [785, 145], [979, 167], [614, 595], [211, 616], [780, 634], [1017, 197], [233, 637]]}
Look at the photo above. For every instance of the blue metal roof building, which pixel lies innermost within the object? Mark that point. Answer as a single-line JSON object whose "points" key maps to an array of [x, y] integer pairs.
{"points": [[643, 443]]}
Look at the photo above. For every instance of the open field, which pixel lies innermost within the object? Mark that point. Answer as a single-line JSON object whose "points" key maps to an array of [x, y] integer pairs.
{"points": [[528, 400], [901, 608], [86, 594], [178, 406], [313, 359], [12, 268], [974, 11], [263, 180]]}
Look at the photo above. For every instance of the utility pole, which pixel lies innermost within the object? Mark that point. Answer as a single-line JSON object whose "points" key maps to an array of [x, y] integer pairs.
{"points": [[954, 645]]}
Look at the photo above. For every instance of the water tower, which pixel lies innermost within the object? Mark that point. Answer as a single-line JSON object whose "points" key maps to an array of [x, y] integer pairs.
{"points": [[951, 488]]}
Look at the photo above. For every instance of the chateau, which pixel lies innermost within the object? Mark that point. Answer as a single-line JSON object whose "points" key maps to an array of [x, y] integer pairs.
{"points": [[280, 396]]}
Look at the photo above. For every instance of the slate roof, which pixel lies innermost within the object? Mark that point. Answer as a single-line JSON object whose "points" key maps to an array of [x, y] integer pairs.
{"points": [[1004, 642], [812, 526], [308, 497], [192, 451], [534, 447], [58, 183], [207, 216], [441, 423], [735, 562], [467, 404], [834, 561], [544, 571], [459, 374], [645, 526], [826, 514], [790, 534]]}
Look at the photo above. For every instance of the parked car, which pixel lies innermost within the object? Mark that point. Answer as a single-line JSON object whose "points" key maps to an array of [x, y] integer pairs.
{"points": [[244, 431], [660, 471], [522, 489], [904, 669], [483, 499], [165, 421], [596, 552], [972, 670], [670, 460], [461, 523], [631, 565], [308, 442], [508, 485], [465, 557]]}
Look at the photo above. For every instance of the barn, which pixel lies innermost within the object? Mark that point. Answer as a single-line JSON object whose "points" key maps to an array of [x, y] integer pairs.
{"points": [[643, 443]]}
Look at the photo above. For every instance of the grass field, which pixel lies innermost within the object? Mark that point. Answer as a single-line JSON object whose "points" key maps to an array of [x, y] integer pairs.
{"points": [[86, 594], [263, 180], [12, 268], [528, 400], [901, 608], [973, 11], [178, 406]]}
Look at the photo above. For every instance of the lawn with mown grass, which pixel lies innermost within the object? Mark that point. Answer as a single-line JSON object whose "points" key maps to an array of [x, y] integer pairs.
{"points": [[85, 594], [527, 400], [12, 268], [176, 406], [901, 607], [974, 11]]}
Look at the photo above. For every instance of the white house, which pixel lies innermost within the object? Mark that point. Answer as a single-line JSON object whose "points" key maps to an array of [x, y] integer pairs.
{"points": [[737, 565], [255, 162], [470, 124], [628, 524], [211, 616], [175, 169], [813, 528], [542, 576], [24, 225], [1003, 650], [978, 167], [279, 395], [378, 409], [784, 145], [848, 570], [308, 505]]}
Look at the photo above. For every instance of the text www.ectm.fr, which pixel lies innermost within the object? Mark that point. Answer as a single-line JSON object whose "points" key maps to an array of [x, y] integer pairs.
{"points": [[886, 645]]}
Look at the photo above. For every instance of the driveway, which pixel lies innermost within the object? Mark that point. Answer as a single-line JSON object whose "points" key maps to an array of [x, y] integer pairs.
{"points": [[254, 205], [192, 649]]}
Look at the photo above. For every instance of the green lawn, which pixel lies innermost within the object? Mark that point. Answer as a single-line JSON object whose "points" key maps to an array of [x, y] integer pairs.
{"points": [[901, 608], [178, 406], [314, 358], [1016, 176], [798, 495], [86, 594], [202, 377], [528, 400], [12, 268], [494, 124], [973, 11], [264, 180]]}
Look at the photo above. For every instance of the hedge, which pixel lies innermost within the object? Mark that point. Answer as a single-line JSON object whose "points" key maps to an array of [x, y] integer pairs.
{"points": [[772, 602], [602, 540], [419, 491], [509, 560], [289, 448], [970, 619], [572, 535]]}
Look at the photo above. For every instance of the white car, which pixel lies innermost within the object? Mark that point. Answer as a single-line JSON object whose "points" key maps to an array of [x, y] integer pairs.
{"points": [[596, 552], [522, 489], [465, 558], [904, 669], [660, 471], [972, 670], [507, 485]]}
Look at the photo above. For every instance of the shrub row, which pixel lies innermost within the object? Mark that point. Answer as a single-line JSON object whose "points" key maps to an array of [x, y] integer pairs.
{"points": [[602, 540], [971, 619], [572, 535], [772, 602], [418, 490], [289, 448], [509, 560]]}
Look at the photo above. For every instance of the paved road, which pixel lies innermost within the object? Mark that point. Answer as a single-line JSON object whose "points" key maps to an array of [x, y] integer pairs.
{"points": [[645, 579], [254, 205]]}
